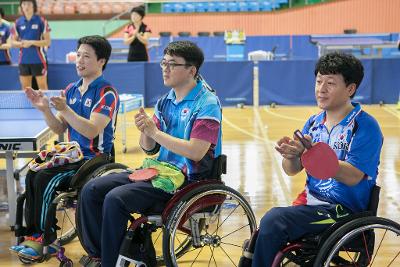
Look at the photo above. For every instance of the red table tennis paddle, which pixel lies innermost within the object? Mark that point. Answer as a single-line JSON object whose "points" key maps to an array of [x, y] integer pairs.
{"points": [[143, 174], [319, 160]]}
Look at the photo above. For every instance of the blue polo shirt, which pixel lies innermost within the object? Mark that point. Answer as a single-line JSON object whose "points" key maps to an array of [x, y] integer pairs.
{"points": [[102, 98], [358, 140], [32, 29], [199, 116], [4, 35]]}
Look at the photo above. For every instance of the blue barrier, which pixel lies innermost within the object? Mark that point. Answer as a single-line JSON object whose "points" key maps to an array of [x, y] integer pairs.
{"points": [[286, 82], [214, 48]]}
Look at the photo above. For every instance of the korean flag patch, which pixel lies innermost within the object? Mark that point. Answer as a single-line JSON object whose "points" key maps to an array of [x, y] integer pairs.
{"points": [[88, 102]]}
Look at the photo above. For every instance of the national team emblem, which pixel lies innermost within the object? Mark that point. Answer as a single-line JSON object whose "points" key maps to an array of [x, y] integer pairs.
{"points": [[88, 102], [184, 112], [35, 26], [72, 101]]}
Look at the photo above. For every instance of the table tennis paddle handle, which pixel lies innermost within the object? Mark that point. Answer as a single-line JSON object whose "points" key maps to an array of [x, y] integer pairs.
{"points": [[306, 143]]}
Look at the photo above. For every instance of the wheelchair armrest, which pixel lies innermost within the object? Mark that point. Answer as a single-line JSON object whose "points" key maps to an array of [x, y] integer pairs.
{"points": [[81, 176]]}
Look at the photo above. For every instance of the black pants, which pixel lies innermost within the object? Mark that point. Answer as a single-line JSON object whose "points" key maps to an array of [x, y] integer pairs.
{"points": [[40, 191]]}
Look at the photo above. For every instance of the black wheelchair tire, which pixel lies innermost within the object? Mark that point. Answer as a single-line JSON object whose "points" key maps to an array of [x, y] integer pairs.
{"points": [[328, 249]]}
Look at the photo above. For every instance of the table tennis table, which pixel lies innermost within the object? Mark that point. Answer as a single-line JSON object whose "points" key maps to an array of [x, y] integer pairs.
{"points": [[128, 102], [369, 47], [23, 132]]}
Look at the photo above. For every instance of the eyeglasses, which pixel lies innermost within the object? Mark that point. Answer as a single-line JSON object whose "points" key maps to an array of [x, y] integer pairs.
{"points": [[171, 66]]}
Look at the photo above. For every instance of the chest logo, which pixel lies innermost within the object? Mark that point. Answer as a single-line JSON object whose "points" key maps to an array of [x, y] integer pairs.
{"points": [[35, 26], [22, 27], [88, 102], [72, 101]]}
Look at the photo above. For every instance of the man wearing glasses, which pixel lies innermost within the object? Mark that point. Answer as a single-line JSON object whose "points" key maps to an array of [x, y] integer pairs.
{"points": [[184, 131]]}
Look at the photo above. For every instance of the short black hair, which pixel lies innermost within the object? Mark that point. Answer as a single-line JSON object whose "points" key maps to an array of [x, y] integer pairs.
{"points": [[347, 65], [101, 46], [188, 50], [33, 2], [140, 10], [1, 12]]}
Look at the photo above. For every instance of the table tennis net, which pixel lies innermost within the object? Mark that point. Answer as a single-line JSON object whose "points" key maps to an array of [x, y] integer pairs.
{"points": [[18, 99]]}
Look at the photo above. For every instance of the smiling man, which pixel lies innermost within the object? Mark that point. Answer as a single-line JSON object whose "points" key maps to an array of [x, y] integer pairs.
{"points": [[88, 109], [184, 131], [356, 138]]}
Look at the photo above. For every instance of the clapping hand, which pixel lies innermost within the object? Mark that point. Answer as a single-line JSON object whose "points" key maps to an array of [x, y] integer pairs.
{"points": [[145, 123], [290, 148], [37, 98], [59, 102]]}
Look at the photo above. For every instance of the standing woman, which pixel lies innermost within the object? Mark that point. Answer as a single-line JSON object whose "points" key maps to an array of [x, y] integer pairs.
{"points": [[137, 36], [31, 34], [4, 40]]}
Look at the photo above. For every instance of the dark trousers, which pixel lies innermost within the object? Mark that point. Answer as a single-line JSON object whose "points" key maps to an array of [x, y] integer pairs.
{"points": [[105, 206], [284, 224], [40, 190]]}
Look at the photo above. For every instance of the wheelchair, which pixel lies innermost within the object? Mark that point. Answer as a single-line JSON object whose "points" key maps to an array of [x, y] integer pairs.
{"points": [[205, 221], [361, 239], [62, 209]]}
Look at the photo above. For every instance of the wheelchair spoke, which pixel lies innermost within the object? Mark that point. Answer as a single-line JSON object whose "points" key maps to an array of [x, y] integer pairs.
{"points": [[157, 237], [379, 246], [398, 253], [353, 260], [234, 231], [179, 241], [230, 244], [212, 257], [227, 255], [196, 256], [366, 246], [227, 217]]}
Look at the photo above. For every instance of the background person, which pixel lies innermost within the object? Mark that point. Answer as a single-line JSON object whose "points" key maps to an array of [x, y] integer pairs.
{"points": [[5, 43], [137, 36], [31, 34]]}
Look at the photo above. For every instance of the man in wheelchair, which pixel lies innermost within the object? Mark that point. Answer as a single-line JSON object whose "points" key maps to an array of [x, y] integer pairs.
{"points": [[184, 131], [88, 109], [356, 138]]}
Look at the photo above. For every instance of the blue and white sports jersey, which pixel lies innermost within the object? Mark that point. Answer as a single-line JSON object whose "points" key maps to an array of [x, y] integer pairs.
{"points": [[32, 29], [199, 116], [102, 98], [4, 35], [358, 140]]}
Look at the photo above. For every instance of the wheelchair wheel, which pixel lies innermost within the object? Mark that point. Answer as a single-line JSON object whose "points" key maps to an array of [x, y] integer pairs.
{"points": [[208, 225], [65, 214], [370, 241], [102, 171]]}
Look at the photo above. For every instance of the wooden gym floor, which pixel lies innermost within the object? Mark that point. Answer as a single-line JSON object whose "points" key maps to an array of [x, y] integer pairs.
{"points": [[254, 167]]}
